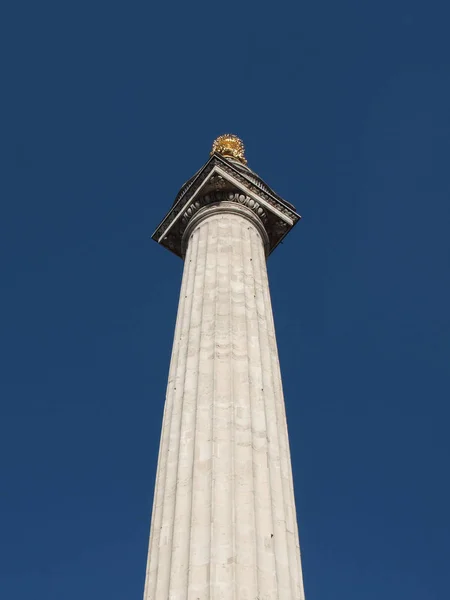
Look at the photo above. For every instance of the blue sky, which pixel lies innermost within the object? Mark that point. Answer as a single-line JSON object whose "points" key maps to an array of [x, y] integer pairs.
{"points": [[107, 108]]}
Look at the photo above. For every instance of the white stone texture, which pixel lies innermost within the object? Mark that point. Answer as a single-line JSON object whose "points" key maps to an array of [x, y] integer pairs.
{"points": [[224, 524]]}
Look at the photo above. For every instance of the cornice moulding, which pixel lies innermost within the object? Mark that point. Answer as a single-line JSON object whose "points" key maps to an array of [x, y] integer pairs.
{"points": [[220, 176]]}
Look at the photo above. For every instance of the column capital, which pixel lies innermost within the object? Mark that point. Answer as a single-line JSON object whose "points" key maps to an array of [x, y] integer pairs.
{"points": [[225, 180], [234, 204]]}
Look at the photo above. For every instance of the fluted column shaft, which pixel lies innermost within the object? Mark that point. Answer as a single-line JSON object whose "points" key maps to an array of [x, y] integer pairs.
{"points": [[223, 523]]}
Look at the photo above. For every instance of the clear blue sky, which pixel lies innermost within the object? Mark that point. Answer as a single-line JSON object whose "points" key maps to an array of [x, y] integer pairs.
{"points": [[107, 108]]}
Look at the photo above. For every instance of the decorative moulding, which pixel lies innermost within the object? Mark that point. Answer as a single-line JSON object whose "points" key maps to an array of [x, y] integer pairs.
{"points": [[222, 180]]}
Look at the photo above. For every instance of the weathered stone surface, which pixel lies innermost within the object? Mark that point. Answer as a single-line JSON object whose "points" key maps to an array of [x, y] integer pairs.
{"points": [[219, 177], [224, 524]]}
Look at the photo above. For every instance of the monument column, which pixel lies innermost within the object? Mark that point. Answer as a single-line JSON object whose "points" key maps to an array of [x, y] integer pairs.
{"points": [[224, 523]]}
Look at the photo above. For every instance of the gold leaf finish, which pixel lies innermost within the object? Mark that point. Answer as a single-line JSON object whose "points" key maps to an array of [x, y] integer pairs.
{"points": [[229, 145]]}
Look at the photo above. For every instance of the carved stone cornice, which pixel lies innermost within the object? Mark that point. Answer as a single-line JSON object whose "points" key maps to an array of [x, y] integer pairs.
{"points": [[222, 180]]}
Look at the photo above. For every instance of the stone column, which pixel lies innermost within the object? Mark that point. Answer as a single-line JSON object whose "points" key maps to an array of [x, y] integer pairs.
{"points": [[224, 524]]}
